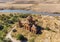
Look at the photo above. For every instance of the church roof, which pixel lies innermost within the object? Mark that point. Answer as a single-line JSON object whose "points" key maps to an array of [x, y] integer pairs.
{"points": [[34, 26], [29, 17]]}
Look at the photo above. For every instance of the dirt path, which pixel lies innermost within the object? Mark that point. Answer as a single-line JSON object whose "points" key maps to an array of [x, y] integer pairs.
{"points": [[10, 37]]}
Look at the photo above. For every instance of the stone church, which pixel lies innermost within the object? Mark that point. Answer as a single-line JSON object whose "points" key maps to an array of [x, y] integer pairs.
{"points": [[30, 24]]}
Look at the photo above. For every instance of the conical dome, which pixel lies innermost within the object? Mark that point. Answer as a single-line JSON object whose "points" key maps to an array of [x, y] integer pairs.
{"points": [[27, 22], [29, 18], [34, 26]]}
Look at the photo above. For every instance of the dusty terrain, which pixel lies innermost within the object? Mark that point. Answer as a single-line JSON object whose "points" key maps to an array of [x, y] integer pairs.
{"points": [[32, 1], [35, 5], [14, 6], [46, 7]]}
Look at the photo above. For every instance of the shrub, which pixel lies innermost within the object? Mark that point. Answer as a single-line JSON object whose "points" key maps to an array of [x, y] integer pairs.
{"points": [[7, 40], [4, 19], [1, 40], [5, 31], [36, 20], [14, 30], [24, 15], [47, 28], [11, 15], [14, 19], [10, 22], [3, 15], [31, 40], [7, 25], [20, 37], [1, 27]]}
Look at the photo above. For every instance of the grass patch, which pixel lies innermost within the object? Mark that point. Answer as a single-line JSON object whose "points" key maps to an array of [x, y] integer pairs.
{"points": [[48, 29]]}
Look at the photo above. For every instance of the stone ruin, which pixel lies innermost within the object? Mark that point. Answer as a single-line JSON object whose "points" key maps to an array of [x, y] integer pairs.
{"points": [[29, 24]]}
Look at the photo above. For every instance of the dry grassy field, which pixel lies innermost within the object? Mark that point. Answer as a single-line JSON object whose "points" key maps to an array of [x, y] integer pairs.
{"points": [[52, 35]]}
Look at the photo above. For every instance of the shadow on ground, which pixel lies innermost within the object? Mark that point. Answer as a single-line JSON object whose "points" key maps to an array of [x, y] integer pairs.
{"points": [[39, 30], [24, 40]]}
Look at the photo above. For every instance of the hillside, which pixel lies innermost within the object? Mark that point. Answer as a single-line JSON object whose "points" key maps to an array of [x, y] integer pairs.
{"points": [[45, 7], [34, 1], [49, 33], [49, 27], [41, 1]]}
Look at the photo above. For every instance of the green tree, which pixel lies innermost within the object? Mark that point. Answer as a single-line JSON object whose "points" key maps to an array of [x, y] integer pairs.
{"points": [[11, 15], [10, 22], [20, 37], [14, 30], [24, 15], [1, 27]]}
